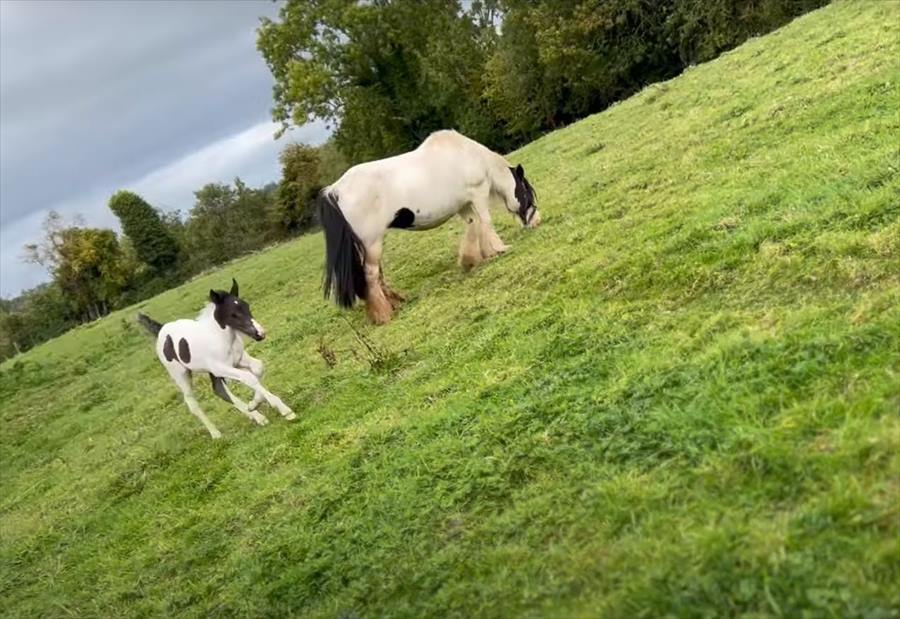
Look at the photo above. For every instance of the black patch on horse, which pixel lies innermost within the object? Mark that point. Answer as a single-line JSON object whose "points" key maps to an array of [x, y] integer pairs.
{"points": [[218, 385], [404, 218], [184, 351], [169, 349]]}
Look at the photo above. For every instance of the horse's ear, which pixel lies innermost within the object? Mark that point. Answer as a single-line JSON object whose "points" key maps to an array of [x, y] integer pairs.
{"points": [[520, 171], [215, 297], [234, 287]]}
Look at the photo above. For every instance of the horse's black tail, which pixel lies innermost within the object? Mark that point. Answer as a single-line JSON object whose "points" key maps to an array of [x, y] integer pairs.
{"points": [[345, 273], [149, 324]]}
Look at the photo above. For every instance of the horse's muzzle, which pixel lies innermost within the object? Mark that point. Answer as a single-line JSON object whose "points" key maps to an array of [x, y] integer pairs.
{"points": [[535, 220], [259, 334]]}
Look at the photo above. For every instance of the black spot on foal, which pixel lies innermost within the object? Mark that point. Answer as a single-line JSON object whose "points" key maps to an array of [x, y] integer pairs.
{"points": [[169, 349], [184, 351]]}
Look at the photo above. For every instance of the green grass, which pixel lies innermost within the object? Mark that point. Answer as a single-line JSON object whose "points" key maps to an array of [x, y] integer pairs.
{"points": [[678, 397]]}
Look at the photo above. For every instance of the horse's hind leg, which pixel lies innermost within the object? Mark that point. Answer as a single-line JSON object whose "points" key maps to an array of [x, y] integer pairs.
{"points": [[378, 307], [182, 378], [469, 249]]}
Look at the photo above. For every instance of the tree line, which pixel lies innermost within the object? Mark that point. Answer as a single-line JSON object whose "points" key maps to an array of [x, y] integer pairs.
{"points": [[95, 271], [387, 73], [384, 74]]}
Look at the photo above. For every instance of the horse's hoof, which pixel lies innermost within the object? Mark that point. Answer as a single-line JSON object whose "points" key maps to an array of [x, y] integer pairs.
{"points": [[215, 435], [380, 318], [291, 416], [261, 420], [467, 264]]}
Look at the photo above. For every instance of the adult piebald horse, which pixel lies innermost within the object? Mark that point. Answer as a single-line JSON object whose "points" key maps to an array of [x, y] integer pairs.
{"points": [[448, 174]]}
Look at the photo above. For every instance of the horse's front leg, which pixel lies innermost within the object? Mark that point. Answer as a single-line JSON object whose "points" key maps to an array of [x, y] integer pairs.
{"points": [[221, 390], [258, 368], [393, 297], [248, 378], [378, 307], [488, 241]]}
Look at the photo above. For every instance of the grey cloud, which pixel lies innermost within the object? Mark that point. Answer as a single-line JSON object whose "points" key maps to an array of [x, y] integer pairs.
{"points": [[94, 95]]}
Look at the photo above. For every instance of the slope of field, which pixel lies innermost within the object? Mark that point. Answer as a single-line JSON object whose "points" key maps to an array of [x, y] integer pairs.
{"points": [[679, 396]]}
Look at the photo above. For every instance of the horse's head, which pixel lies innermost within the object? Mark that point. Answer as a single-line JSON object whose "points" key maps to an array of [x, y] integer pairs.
{"points": [[232, 311], [522, 202]]}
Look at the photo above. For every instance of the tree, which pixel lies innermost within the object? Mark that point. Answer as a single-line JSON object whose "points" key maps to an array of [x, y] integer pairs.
{"points": [[294, 208], [33, 317], [226, 222], [87, 264], [387, 73], [142, 224]]}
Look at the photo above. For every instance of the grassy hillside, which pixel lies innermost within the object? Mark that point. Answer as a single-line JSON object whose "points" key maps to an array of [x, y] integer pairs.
{"points": [[679, 395]]}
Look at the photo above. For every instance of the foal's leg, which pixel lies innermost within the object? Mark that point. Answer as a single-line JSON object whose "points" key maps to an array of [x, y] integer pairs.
{"points": [[469, 249], [258, 368], [248, 378], [182, 378], [377, 305], [221, 390]]}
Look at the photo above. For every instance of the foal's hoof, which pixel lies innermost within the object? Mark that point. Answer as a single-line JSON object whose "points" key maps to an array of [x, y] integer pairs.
{"points": [[291, 416], [215, 435], [261, 420]]}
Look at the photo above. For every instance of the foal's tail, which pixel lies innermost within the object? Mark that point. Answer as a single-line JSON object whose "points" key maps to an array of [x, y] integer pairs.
{"points": [[149, 324], [345, 274]]}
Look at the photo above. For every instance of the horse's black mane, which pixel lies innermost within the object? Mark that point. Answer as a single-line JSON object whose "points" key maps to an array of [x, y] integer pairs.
{"points": [[529, 203]]}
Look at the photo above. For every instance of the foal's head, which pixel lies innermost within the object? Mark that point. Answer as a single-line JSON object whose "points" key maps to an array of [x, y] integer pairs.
{"points": [[232, 311], [525, 204]]}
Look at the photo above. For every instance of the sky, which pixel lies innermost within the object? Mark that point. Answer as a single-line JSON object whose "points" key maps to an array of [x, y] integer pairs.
{"points": [[159, 97]]}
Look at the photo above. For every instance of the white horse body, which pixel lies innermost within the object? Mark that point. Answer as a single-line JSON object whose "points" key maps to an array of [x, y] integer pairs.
{"points": [[448, 174], [444, 174]]}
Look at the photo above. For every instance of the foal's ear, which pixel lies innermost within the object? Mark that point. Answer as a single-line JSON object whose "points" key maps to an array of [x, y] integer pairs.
{"points": [[520, 171], [234, 287], [215, 296]]}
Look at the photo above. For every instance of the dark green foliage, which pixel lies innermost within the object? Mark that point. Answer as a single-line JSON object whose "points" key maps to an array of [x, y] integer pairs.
{"points": [[389, 73], [558, 61], [700, 30], [294, 209], [152, 240], [226, 222], [33, 317]]}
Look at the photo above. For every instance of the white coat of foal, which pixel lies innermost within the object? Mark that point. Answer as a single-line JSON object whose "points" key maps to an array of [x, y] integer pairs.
{"points": [[448, 174], [212, 343]]}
